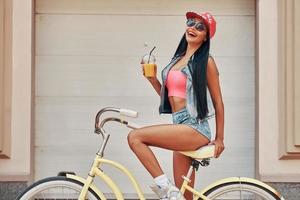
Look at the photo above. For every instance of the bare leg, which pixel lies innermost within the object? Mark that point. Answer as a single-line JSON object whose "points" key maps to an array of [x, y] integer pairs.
{"points": [[176, 137], [181, 165]]}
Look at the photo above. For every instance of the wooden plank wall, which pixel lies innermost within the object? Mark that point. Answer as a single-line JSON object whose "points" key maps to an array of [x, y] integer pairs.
{"points": [[87, 57]]}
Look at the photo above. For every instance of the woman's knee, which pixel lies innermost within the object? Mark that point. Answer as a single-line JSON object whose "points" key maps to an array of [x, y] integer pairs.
{"points": [[133, 138]]}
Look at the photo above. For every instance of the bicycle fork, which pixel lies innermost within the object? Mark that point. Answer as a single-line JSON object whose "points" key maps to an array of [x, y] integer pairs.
{"points": [[95, 171], [89, 180]]}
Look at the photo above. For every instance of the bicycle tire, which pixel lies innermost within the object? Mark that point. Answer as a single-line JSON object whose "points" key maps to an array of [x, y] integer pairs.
{"points": [[42, 189], [240, 190]]}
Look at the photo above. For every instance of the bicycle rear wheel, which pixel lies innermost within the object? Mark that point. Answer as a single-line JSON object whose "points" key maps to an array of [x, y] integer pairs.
{"points": [[59, 187], [241, 190]]}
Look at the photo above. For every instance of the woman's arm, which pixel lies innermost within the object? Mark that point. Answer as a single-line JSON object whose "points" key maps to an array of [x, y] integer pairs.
{"points": [[156, 84], [213, 83], [154, 81]]}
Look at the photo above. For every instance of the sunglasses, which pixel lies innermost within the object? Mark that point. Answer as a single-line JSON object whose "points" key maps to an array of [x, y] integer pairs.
{"points": [[199, 26]]}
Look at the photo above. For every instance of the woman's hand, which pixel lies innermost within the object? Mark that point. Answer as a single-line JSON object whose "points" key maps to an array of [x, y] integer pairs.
{"points": [[219, 147], [151, 79]]}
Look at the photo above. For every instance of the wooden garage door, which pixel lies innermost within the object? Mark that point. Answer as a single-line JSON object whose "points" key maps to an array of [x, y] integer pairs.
{"points": [[87, 57]]}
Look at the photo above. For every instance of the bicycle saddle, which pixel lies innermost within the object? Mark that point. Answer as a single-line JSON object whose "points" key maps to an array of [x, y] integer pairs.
{"points": [[207, 151]]}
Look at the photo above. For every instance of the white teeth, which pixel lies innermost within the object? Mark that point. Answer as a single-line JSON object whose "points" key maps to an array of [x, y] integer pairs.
{"points": [[192, 34]]}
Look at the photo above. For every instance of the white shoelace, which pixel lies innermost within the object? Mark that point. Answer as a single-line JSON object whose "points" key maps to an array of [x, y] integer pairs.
{"points": [[167, 193]]}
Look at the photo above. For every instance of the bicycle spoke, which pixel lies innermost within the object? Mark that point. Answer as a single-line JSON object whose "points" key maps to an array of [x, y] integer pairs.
{"points": [[241, 191], [239, 195], [58, 193]]}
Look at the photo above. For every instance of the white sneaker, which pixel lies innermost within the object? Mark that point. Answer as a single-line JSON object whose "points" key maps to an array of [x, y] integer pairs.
{"points": [[162, 193], [170, 192]]}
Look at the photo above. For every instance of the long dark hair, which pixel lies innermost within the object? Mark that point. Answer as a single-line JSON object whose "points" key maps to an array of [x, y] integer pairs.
{"points": [[198, 71]]}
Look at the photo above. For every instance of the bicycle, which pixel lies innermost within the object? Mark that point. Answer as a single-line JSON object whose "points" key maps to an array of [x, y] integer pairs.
{"points": [[69, 186]]}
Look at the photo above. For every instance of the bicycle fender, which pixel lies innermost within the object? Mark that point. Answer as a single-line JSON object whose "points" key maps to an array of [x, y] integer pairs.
{"points": [[241, 179], [82, 180]]}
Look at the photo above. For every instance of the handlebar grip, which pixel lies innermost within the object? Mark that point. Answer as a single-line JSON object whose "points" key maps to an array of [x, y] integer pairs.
{"points": [[128, 113], [132, 125]]}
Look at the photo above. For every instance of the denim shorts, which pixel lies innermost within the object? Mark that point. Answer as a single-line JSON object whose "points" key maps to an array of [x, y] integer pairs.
{"points": [[183, 117]]}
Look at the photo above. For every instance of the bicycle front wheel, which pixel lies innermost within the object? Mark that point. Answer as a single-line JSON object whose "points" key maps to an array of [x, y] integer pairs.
{"points": [[59, 187], [241, 190]]}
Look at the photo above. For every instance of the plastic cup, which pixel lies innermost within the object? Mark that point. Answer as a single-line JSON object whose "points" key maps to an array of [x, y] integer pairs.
{"points": [[149, 69], [148, 62]]}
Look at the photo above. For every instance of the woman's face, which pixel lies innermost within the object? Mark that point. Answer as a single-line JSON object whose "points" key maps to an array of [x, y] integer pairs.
{"points": [[196, 31]]}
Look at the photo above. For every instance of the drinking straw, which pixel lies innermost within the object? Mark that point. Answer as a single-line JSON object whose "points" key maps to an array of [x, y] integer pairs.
{"points": [[151, 53]]}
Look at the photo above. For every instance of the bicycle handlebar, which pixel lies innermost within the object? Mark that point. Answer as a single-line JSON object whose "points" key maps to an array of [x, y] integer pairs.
{"points": [[129, 113], [99, 124], [125, 112]]}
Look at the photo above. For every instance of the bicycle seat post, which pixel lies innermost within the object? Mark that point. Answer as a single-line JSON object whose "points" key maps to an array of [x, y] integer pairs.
{"points": [[187, 178]]}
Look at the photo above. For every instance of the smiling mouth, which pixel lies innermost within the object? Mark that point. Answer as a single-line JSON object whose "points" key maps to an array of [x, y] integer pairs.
{"points": [[191, 34]]}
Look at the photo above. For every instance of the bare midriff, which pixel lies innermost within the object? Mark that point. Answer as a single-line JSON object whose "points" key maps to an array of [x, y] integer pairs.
{"points": [[177, 103]]}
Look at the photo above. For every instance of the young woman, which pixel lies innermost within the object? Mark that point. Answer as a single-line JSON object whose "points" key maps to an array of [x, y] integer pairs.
{"points": [[189, 83]]}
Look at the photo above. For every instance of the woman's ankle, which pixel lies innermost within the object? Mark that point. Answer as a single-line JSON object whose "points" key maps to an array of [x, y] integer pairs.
{"points": [[162, 180]]}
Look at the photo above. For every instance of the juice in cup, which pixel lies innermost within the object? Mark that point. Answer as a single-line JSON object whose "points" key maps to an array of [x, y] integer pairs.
{"points": [[149, 69], [148, 62]]}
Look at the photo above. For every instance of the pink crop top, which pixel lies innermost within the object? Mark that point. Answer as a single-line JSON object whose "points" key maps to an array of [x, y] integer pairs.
{"points": [[176, 84]]}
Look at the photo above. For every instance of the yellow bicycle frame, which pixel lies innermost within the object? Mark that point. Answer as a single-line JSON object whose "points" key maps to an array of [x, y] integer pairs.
{"points": [[95, 171], [204, 152]]}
